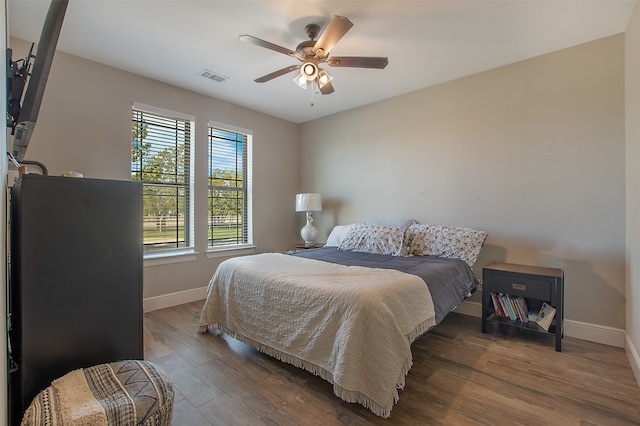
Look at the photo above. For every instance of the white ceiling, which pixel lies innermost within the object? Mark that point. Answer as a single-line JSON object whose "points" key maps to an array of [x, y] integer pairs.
{"points": [[427, 42]]}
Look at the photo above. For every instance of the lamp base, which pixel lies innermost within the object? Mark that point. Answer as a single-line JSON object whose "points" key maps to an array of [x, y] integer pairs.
{"points": [[309, 232]]}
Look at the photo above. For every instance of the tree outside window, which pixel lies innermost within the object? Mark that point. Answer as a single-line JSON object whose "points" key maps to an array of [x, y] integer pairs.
{"points": [[161, 160], [229, 188]]}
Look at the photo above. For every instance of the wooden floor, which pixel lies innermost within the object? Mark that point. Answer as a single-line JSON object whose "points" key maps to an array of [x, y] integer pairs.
{"points": [[459, 377]]}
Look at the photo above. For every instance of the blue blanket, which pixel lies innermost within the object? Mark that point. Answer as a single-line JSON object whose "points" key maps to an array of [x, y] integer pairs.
{"points": [[450, 281]]}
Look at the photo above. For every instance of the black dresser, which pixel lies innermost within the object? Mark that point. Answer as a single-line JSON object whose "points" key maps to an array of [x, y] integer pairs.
{"points": [[75, 286]]}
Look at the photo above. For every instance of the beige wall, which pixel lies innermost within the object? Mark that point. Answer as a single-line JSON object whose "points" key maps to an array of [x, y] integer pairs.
{"points": [[632, 91], [85, 125], [532, 152]]}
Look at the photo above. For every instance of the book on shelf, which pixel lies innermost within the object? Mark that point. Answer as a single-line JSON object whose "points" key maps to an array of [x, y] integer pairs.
{"points": [[504, 306], [498, 304], [521, 303], [497, 307], [545, 316], [512, 307], [507, 304]]}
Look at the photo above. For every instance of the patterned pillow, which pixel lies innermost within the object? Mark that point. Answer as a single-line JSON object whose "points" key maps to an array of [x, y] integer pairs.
{"points": [[446, 241], [376, 239]]}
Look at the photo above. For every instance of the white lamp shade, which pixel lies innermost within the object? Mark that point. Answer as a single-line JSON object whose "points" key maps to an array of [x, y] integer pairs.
{"points": [[308, 202]]}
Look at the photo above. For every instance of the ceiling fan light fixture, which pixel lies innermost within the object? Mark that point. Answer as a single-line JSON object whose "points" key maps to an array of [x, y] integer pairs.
{"points": [[323, 78], [309, 70], [301, 81]]}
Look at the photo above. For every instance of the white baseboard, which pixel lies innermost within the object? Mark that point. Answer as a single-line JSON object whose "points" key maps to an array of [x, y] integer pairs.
{"points": [[595, 333], [634, 358], [580, 330], [174, 299]]}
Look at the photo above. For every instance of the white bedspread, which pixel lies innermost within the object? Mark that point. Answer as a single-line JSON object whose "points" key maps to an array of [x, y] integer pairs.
{"points": [[351, 325]]}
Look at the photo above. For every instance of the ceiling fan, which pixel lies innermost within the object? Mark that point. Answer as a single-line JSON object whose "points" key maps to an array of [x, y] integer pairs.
{"points": [[312, 54]]}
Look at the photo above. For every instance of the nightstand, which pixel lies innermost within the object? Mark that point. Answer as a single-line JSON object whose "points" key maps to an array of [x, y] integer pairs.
{"points": [[536, 284]]}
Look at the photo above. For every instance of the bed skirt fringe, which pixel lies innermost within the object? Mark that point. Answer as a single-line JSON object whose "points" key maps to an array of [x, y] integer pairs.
{"points": [[344, 394]]}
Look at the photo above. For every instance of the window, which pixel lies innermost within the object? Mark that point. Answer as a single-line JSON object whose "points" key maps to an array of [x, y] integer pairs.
{"points": [[161, 159], [229, 187]]}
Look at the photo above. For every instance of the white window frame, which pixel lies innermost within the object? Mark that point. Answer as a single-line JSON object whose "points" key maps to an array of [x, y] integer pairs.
{"points": [[213, 250], [189, 231]]}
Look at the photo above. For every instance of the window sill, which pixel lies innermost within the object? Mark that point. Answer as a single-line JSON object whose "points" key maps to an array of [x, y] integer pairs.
{"points": [[170, 257], [213, 253]]}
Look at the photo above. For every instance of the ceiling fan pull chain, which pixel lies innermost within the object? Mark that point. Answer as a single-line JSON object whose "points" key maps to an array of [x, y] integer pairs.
{"points": [[313, 89]]}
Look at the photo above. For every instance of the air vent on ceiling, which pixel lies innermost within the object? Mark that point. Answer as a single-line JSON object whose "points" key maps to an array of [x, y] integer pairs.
{"points": [[213, 76]]}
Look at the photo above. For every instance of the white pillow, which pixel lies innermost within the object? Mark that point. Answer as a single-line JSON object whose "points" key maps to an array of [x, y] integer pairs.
{"points": [[337, 235]]}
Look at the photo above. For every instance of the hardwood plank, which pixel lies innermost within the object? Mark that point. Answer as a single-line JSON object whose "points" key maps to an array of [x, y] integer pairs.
{"points": [[194, 386], [186, 414], [224, 410], [459, 376]]}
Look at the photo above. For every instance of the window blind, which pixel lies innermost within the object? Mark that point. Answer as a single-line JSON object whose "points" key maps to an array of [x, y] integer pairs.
{"points": [[228, 188], [161, 160]]}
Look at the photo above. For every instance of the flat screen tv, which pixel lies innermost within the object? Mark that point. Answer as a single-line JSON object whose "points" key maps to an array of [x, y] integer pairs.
{"points": [[22, 113]]}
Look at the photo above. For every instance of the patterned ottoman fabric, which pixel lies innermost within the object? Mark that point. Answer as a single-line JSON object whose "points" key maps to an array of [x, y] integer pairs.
{"points": [[119, 393]]}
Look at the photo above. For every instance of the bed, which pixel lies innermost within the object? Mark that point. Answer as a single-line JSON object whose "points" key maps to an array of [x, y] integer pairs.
{"points": [[347, 312]]}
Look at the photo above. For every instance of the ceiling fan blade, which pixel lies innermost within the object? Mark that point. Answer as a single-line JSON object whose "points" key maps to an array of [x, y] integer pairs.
{"points": [[336, 29], [358, 61], [327, 89], [278, 73], [268, 45]]}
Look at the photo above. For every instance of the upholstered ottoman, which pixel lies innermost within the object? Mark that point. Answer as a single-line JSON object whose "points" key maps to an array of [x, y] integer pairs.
{"points": [[119, 393]]}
